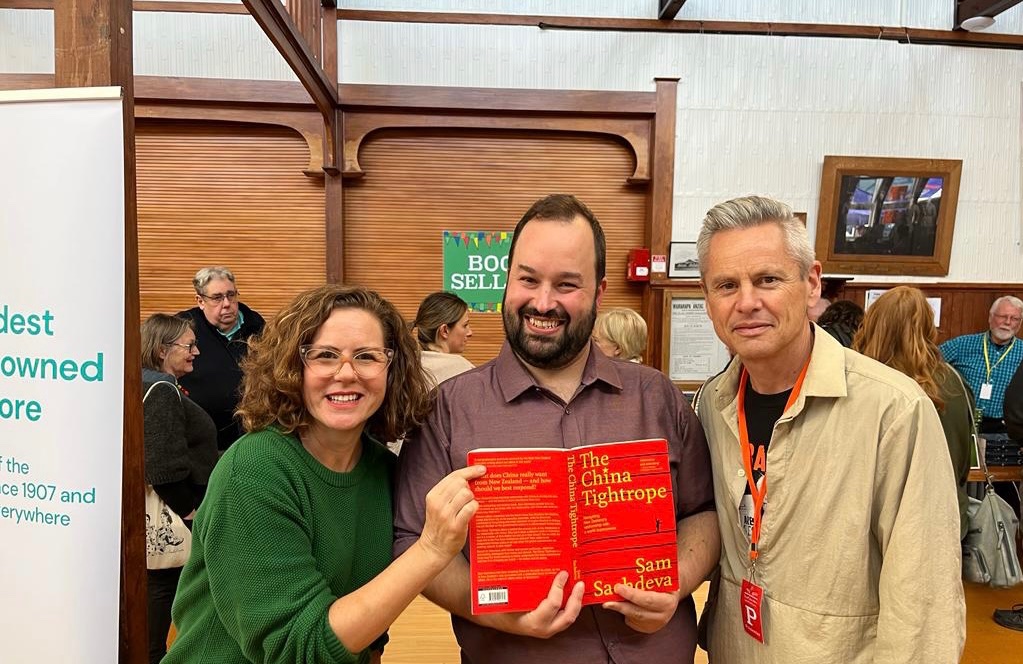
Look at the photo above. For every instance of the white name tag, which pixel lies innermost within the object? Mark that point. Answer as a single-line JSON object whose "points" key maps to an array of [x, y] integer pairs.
{"points": [[985, 391], [746, 516]]}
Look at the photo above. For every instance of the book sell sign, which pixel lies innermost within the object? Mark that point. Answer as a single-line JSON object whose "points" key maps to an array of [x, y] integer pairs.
{"points": [[604, 513], [61, 373], [476, 267]]}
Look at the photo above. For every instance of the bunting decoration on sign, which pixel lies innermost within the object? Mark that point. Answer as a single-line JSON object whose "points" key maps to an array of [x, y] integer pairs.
{"points": [[476, 266]]}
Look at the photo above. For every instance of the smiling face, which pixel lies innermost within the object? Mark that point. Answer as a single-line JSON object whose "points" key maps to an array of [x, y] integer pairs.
{"points": [[177, 358], [756, 297], [551, 299], [1004, 322], [343, 402]]}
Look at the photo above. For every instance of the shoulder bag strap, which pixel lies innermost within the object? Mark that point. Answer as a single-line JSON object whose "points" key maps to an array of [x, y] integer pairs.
{"points": [[162, 382], [973, 426]]}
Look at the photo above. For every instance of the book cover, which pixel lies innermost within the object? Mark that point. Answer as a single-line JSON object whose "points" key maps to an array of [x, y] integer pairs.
{"points": [[605, 513]]}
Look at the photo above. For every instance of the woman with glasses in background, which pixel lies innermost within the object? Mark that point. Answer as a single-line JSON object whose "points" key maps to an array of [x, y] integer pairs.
{"points": [[180, 452], [291, 556]]}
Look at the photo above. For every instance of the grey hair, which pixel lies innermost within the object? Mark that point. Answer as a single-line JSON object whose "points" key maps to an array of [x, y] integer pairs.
{"points": [[158, 331], [1014, 301], [207, 274], [750, 212]]}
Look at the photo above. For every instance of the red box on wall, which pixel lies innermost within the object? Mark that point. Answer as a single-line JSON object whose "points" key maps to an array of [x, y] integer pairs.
{"points": [[639, 264]]}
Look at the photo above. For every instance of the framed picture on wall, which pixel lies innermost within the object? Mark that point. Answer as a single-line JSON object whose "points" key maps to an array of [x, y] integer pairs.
{"points": [[884, 215], [682, 261], [690, 350]]}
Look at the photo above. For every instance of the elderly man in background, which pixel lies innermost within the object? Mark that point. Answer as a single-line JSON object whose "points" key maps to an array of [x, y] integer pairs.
{"points": [[988, 360], [223, 326], [834, 490]]}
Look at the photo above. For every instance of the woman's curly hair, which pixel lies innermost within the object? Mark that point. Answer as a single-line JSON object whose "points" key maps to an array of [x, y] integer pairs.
{"points": [[272, 382]]}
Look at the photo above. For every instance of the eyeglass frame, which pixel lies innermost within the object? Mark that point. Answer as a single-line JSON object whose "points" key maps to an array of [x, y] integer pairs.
{"points": [[344, 358], [1009, 318], [188, 347], [230, 297]]}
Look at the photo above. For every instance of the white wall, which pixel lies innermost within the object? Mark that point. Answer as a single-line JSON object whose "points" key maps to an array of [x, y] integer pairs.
{"points": [[166, 44], [756, 114]]}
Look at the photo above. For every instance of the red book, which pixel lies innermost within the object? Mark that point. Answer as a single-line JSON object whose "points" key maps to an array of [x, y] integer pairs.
{"points": [[605, 513]]}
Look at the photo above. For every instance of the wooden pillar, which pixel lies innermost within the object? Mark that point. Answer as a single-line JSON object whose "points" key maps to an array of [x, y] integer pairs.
{"points": [[93, 47], [662, 199], [333, 185], [333, 188]]}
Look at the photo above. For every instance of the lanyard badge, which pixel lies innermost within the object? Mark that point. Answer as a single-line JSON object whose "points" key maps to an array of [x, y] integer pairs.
{"points": [[751, 512]]}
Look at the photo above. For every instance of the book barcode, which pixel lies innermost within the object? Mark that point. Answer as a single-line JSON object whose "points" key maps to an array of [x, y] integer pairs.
{"points": [[489, 596]]}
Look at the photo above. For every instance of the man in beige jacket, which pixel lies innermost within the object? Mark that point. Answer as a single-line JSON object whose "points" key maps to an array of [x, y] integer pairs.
{"points": [[834, 489]]}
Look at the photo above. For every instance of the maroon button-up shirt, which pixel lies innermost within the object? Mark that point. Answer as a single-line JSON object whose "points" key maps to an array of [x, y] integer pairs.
{"points": [[500, 405]]}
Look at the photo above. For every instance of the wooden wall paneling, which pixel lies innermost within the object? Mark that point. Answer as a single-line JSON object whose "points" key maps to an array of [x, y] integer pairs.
{"points": [[359, 125], [508, 100], [309, 125], [421, 182], [964, 306], [225, 193]]}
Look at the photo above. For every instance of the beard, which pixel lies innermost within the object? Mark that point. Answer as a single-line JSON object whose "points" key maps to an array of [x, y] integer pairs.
{"points": [[1001, 336], [548, 352]]}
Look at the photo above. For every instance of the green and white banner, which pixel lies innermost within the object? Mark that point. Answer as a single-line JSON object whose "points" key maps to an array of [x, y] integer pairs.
{"points": [[476, 267], [61, 373]]}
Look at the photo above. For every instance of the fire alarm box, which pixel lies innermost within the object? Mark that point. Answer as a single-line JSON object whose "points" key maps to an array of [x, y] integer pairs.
{"points": [[639, 264]]}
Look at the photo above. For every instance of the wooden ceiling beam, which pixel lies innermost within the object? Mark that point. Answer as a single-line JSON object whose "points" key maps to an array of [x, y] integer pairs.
{"points": [[668, 9], [970, 8], [275, 21]]}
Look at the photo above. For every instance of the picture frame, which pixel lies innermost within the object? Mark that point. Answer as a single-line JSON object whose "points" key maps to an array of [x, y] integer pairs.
{"points": [[683, 262], [690, 350], [887, 215]]}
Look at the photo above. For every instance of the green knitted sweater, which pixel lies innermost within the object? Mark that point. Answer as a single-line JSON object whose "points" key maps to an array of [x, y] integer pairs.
{"points": [[277, 539]]}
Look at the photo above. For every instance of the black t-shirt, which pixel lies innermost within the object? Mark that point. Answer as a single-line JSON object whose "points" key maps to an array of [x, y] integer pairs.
{"points": [[762, 411]]}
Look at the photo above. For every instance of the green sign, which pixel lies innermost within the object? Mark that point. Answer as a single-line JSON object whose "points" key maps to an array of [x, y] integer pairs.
{"points": [[476, 267]]}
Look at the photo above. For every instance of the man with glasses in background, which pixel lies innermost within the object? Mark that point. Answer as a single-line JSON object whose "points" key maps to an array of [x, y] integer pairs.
{"points": [[223, 326], [987, 360]]}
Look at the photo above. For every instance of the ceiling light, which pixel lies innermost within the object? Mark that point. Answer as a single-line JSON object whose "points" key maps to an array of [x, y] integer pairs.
{"points": [[977, 23]]}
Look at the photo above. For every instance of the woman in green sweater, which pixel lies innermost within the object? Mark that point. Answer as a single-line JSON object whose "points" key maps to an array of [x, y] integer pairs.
{"points": [[291, 554], [898, 330]]}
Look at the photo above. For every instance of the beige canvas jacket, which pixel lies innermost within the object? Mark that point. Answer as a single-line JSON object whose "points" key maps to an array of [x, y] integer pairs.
{"points": [[859, 548]]}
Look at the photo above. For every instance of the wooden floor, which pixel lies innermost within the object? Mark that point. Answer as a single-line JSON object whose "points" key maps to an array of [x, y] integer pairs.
{"points": [[422, 635]]}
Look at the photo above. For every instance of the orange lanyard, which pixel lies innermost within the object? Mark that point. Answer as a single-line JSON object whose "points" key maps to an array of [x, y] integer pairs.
{"points": [[758, 493]]}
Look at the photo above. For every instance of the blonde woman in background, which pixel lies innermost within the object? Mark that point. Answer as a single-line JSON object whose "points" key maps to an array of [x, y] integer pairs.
{"points": [[621, 333], [898, 330], [442, 330]]}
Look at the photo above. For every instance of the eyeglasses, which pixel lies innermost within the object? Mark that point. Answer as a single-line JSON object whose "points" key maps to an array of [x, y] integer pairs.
{"points": [[1008, 317], [230, 296], [192, 347], [325, 362]]}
